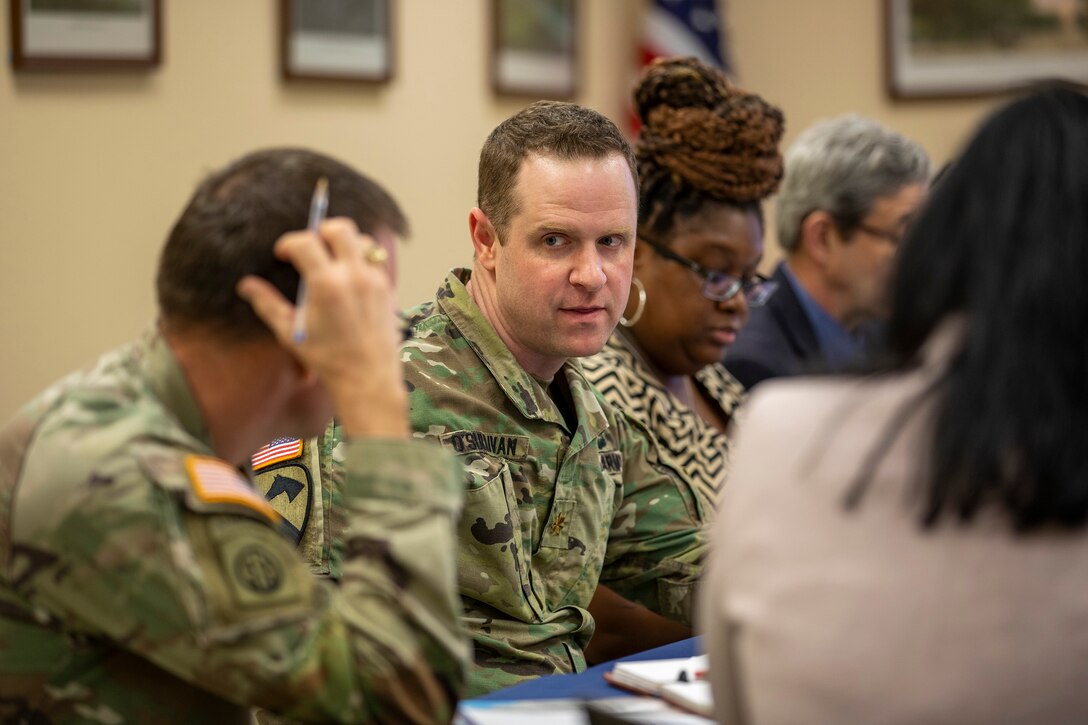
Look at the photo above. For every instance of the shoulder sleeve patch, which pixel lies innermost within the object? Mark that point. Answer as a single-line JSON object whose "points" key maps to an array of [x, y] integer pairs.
{"points": [[279, 450], [215, 481]]}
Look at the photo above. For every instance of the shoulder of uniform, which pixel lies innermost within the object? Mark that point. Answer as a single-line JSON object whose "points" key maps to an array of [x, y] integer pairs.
{"points": [[277, 452], [205, 483], [288, 473], [634, 434], [427, 321], [416, 315]]}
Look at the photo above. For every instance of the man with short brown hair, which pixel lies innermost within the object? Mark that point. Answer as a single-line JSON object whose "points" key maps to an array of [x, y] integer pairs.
{"points": [[567, 501], [144, 579]]}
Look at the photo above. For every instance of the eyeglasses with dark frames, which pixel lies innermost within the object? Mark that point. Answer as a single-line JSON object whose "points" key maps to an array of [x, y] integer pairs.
{"points": [[896, 238], [719, 286]]}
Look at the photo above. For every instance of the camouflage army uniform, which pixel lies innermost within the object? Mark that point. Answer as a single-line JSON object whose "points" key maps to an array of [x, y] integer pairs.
{"points": [[549, 512], [145, 581]]}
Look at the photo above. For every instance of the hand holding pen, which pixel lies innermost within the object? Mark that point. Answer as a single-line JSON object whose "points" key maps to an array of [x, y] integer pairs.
{"points": [[345, 316], [319, 206]]}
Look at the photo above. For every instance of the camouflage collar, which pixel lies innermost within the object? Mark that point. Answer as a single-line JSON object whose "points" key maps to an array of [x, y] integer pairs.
{"points": [[167, 381], [521, 388]]}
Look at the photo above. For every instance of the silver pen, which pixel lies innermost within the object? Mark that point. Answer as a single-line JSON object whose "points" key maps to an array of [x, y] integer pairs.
{"points": [[319, 205]]}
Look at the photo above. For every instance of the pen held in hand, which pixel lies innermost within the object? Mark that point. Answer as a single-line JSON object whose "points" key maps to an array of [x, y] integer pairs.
{"points": [[319, 205]]}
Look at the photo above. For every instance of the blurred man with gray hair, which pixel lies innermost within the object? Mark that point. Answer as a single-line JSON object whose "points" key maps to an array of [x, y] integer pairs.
{"points": [[850, 190]]}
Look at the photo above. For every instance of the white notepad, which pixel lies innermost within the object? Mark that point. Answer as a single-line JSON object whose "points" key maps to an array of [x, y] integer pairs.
{"points": [[691, 696], [649, 676]]}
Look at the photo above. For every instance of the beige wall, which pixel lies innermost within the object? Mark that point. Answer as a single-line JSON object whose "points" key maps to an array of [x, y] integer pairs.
{"points": [[94, 168], [821, 59]]}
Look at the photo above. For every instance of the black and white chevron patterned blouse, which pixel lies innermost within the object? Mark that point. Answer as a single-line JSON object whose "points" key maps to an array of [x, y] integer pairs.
{"points": [[625, 381]]}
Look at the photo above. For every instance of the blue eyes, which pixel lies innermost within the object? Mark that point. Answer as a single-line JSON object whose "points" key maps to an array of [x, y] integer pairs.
{"points": [[555, 240]]}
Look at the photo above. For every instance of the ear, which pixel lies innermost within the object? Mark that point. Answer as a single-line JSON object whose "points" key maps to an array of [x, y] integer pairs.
{"points": [[279, 371], [818, 235], [294, 371], [307, 378], [484, 238]]}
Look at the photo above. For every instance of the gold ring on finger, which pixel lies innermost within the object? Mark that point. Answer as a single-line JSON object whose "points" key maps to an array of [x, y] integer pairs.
{"points": [[376, 255]]}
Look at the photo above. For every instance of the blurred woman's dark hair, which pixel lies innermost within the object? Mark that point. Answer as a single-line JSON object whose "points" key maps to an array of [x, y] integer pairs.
{"points": [[1003, 244]]}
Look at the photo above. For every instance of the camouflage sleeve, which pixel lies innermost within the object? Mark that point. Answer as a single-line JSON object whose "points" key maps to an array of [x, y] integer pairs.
{"points": [[656, 543], [334, 471], [224, 602]]}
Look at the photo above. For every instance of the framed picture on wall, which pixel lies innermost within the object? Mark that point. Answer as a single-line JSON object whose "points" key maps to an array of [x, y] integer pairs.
{"points": [[534, 48], [336, 39], [85, 34], [964, 47]]}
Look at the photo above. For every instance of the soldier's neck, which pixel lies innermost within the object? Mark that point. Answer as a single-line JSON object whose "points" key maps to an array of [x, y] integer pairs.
{"points": [[481, 288], [241, 389]]}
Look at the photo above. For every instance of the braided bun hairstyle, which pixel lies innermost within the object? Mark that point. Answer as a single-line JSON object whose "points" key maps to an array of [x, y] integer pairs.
{"points": [[702, 139]]}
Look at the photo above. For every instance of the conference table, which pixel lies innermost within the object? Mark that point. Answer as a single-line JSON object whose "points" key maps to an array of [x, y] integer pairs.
{"points": [[585, 686], [589, 685]]}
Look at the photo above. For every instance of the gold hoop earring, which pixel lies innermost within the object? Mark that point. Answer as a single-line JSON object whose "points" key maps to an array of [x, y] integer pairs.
{"points": [[641, 304]]}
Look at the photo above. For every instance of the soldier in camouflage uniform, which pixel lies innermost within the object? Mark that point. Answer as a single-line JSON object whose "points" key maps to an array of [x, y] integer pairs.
{"points": [[563, 493], [552, 508], [143, 579]]}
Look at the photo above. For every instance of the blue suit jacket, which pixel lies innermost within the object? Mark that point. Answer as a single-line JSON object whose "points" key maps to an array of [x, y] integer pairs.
{"points": [[778, 340]]}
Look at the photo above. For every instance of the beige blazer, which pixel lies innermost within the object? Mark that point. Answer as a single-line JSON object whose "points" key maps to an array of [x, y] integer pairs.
{"points": [[813, 614]]}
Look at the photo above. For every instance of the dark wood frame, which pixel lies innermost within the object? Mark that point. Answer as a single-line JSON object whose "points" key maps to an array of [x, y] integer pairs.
{"points": [[288, 72], [21, 60], [968, 88], [559, 92]]}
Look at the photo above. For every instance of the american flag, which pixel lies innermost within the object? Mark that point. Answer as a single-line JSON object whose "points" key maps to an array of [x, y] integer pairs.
{"points": [[281, 449], [216, 481], [683, 27]]}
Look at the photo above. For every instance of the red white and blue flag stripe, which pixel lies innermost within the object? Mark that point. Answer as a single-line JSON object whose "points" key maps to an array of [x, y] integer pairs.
{"points": [[216, 481], [683, 27], [281, 449]]}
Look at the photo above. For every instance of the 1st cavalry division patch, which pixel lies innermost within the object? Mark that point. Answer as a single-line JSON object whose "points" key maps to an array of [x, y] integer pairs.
{"points": [[279, 474]]}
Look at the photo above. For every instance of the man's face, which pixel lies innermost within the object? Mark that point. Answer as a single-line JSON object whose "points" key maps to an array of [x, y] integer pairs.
{"points": [[860, 265], [561, 272]]}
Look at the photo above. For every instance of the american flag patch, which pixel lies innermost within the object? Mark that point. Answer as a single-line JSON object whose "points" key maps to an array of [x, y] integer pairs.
{"points": [[217, 482], [281, 449]]}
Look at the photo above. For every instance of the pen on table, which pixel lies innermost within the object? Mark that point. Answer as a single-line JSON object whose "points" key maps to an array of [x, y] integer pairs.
{"points": [[319, 204], [689, 673]]}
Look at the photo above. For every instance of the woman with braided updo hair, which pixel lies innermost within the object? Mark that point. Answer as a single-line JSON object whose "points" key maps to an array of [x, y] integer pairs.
{"points": [[707, 156]]}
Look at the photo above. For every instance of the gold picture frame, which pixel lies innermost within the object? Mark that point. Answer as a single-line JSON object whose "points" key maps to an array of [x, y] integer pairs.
{"points": [[343, 40], [534, 48], [78, 35], [943, 48]]}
